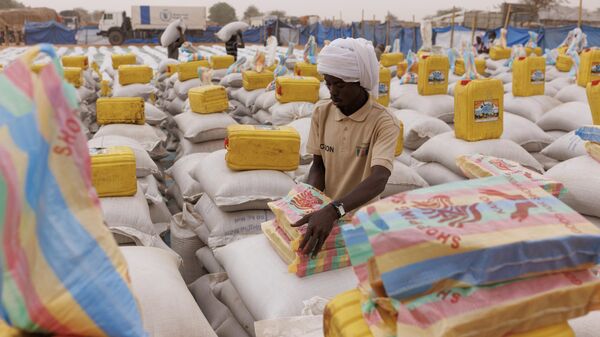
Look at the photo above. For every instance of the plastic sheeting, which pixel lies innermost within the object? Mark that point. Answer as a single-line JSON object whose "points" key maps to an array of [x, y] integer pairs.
{"points": [[48, 32], [88, 36], [410, 37], [442, 36]]}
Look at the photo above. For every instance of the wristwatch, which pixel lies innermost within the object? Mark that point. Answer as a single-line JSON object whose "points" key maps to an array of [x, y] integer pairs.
{"points": [[339, 209]]}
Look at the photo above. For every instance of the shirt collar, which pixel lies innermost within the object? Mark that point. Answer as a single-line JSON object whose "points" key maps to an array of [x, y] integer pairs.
{"points": [[359, 116]]}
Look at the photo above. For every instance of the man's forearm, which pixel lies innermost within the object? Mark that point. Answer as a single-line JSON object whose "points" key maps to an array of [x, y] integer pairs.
{"points": [[367, 190], [316, 175]]}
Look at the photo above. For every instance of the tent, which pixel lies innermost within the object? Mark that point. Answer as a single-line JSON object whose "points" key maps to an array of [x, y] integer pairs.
{"points": [[48, 32]]}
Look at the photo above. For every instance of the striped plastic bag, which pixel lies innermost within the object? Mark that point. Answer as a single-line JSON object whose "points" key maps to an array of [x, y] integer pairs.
{"points": [[480, 166], [593, 149], [589, 133], [470, 233], [537, 306], [329, 258], [502, 309], [62, 272]]}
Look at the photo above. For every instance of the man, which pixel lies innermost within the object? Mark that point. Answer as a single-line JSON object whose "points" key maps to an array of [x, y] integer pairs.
{"points": [[379, 50], [235, 42], [173, 48], [480, 47], [352, 138]]}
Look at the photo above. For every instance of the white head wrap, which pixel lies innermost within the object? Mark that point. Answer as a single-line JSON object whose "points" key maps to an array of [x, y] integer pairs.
{"points": [[351, 60]]}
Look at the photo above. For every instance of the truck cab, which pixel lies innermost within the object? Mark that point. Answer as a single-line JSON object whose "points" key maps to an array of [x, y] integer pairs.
{"points": [[112, 26], [149, 22]]}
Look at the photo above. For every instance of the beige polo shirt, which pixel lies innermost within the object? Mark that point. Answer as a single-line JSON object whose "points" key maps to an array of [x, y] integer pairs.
{"points": [[351, 146]]}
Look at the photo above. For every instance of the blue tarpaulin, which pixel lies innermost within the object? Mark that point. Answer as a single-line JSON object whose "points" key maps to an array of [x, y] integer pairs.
{"points": [[410, 37], [48, 32]]}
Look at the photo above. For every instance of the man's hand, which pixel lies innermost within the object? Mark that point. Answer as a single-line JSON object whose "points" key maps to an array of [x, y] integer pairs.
{"points": [[320, 224]]}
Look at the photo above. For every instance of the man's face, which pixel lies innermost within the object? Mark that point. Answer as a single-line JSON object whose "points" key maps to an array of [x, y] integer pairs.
{"points": [[343, 94]]}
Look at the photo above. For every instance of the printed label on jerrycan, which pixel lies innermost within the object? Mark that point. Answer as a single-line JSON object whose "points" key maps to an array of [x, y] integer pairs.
{"points": [[383, 89], [596, 68], [436, 77], [487, 111], [538, 77]]}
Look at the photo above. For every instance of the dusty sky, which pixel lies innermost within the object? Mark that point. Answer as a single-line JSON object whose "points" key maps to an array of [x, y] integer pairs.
{"points": [[350, 9]]}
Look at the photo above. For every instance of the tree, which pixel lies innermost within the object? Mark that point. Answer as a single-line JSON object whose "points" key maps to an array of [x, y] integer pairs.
{"points": [[251, 11], [7, 4], [279, 14], [536, 5], [221, 13], [83, 14]]}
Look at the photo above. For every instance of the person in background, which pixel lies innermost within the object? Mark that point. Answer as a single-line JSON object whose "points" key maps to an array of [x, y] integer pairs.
{"points": [[480, 46], [352, 138], [379, 50], [236, 41], [173, 48], [491, 40]]}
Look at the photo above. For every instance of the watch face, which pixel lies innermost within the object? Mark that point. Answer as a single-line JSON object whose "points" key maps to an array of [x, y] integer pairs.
{"points": [[341, 210]]}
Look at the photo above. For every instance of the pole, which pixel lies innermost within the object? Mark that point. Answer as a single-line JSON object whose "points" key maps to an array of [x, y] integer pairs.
{"points": [[387, 33], [506, 21], [362, 24], [374, 30], [580, 13], [452, 28], [474, 26]]}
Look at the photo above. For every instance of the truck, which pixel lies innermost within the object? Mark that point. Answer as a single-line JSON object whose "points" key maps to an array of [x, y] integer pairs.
{"points": [[147, 22]]}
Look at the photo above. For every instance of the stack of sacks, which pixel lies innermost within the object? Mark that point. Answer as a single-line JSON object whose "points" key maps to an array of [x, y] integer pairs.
{"points": [[260, 277], [166, 69], [238, 184], [123, 201], [220, 303], [528, 97], [146, 171], [440, 152], [479, 124], [202, 127], [587, 72], [87, 92], [184, 188], [127, 88], [565, 118], [126, 117], [167, 93], [260, 111], [254, 84], [494, 288], [219, 65], [285, 239], [187, 78], [165, 302], [233, 81], [579, 174], [185, 242], [432, 87]]}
